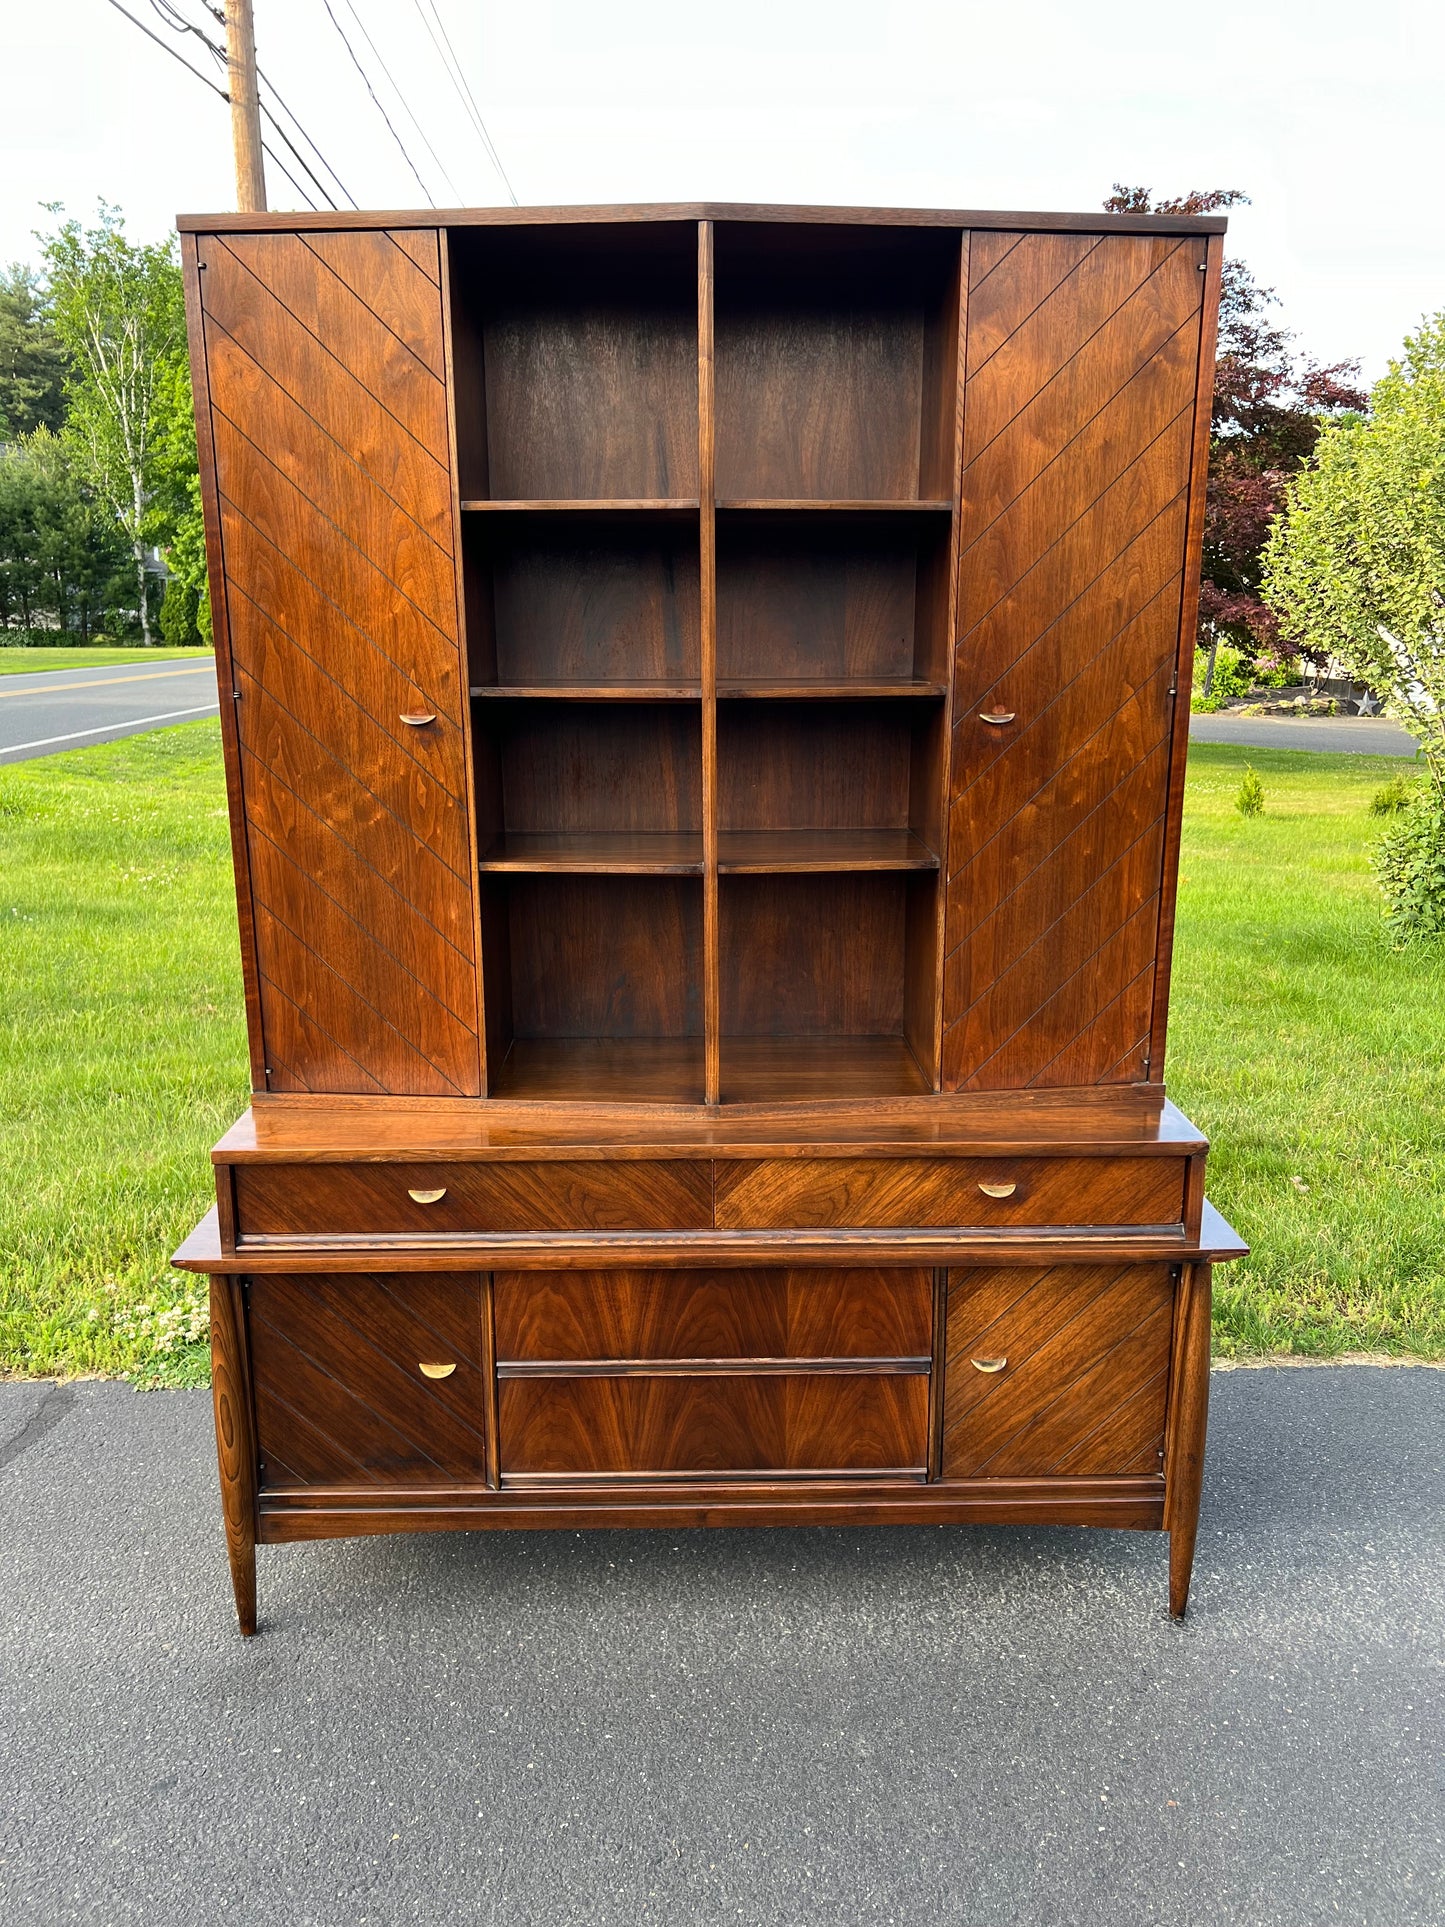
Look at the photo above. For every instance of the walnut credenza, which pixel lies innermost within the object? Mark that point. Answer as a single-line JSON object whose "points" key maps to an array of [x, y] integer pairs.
{"points": [[705, 697]]}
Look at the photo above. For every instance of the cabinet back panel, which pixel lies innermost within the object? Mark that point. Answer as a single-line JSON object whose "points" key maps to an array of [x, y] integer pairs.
{"points": [[1078, 428], [824, 357], [598, 766], [811, 601], [609, 956], [587, 605], [340, 617], [589, 345], [813, 766], [813, 956]]}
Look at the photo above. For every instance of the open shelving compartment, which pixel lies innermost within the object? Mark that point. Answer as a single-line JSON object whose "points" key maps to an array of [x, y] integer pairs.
{"points": [[708, 482]]}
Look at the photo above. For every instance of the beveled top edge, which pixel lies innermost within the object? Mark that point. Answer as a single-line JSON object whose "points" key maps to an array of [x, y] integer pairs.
{"points": [[1138, 1121], [454, 217]]}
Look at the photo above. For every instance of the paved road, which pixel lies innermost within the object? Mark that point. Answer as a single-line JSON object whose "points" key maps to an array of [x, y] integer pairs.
{"points": [[1364, 735], [59, 709], [784, 1729]]}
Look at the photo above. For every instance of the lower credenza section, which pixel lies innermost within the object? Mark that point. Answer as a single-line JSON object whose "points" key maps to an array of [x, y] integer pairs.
{"points": [[435, 1379], [353, 1402]]}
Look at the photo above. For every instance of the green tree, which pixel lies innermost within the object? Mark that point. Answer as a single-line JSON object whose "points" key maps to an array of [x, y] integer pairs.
{"points": [[32, 361], [1356, 566], [63, 562], [119, 312]]}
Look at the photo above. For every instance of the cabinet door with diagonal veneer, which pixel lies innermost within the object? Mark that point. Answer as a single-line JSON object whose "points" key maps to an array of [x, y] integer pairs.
{"points": [[364, 1380], [1081, 378], [323, 402], [1057, 1372]]}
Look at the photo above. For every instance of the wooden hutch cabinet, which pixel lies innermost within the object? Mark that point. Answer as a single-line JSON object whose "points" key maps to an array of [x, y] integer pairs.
{"points": [[705, 697]]}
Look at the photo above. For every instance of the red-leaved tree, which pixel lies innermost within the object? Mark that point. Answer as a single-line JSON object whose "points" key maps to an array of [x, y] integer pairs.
{"points": [[1269, 403]]}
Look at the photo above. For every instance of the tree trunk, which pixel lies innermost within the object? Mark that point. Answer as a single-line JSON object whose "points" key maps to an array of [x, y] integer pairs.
{"points": [[1209, 666], [142, 605]]}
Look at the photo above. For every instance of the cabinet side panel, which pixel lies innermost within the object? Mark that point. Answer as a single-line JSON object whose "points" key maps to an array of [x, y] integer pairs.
{"points": [[324, 363], [1081, 366]]}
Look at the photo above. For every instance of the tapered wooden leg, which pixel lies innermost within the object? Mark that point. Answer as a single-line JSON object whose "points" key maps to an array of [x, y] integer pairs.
{"points": [[1188, 1421], [235, 1449]]}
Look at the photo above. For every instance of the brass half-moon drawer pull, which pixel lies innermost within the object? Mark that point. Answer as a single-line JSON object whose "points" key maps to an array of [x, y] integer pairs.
{"points": [[978, 1364], [988, 1190], [429, 1197], [418, 718], [996, 716], [435, 1371]]}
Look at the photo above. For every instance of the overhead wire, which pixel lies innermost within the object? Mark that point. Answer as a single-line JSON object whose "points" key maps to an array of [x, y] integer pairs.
{"points": [[341, 33], [456, 74], [406, 105], [178, 23], [219, 92]]}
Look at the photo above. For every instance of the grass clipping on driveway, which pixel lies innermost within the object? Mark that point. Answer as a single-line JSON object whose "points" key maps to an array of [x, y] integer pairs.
{"points": [[1312, 1053]]}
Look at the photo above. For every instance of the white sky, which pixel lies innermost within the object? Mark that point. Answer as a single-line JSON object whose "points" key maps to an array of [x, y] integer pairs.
{"points": [[1328, 112]]}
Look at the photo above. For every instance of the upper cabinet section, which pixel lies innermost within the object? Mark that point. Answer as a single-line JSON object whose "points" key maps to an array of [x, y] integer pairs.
{"points": [[836, 352], [576, 364]]}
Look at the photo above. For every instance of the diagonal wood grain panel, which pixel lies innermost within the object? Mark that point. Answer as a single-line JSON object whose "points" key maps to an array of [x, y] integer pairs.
{"points": [[1084, 1387], [325, 360], [340, 1398], [1078, 425]]}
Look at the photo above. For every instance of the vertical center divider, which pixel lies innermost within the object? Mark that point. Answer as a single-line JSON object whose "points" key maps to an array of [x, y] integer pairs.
{"points": [[707, 562], [950, 671]]}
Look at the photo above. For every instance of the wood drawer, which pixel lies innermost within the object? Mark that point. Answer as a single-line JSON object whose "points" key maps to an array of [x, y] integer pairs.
{"points": [[715, 1424], [292, 1200], [803, 1313], [340, 1394], [1057, 1371], [795, 1193]]}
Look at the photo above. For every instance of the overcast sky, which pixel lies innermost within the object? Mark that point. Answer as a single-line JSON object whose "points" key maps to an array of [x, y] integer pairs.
{"points": [[1328, 114]]}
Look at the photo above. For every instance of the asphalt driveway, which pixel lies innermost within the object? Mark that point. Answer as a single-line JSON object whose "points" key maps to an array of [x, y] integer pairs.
{"points": [[52, 710], [914, 1725]]}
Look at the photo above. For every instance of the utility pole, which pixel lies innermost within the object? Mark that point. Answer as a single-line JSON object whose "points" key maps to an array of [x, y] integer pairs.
{"points": [[245, 107]]}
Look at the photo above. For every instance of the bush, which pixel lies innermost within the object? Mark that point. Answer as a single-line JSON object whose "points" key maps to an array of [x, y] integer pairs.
{"points": [[178, 615], [1250, 799], [1409, 860], [1396, 795], [1232, 674]]}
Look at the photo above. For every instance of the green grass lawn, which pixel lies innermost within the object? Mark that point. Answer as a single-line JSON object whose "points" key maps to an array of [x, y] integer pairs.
{"points": [[25, 662], [1311, 1052], [1314, 1056], [122, 1046]]}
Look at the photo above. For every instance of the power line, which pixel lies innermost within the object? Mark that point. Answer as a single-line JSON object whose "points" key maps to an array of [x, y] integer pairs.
{"points": [[178, 23], [430, 198], [381, 62], [219, 92], [174, 52], [218, 15], [457, 76]]}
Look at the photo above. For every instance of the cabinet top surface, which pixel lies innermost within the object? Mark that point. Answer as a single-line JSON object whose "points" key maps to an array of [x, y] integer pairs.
{"points": [[232, 223], [1088, 1123]]}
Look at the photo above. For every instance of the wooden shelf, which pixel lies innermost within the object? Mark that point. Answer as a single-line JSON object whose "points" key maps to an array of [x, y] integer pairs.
{"points": [[586, 505], [861, 689], [775, 852], [596, 852], [766, 1070], [766, 506], [619, 691], [580, 1070]]}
